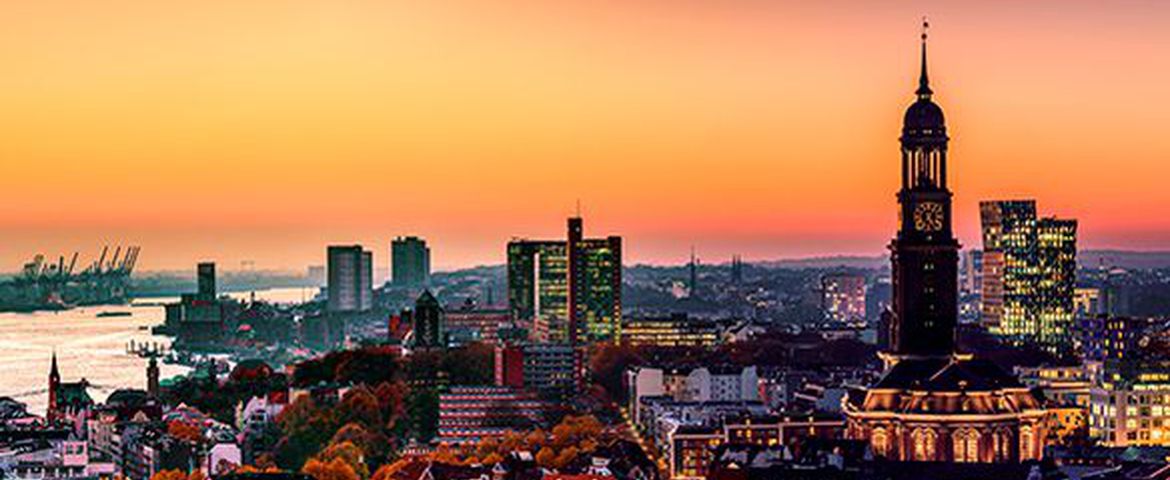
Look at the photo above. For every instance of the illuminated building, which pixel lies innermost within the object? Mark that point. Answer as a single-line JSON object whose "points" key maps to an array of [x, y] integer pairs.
{"points": [[972, 273], [1131, 408], [552, 369], [1087, 302], [1029, 274], [678, 330], [843, 297], [538, 286], [350, 279], [1062, 384], [934, 404], [570, 289], [484, 322], [689, 448], [1106, 339], [690, 451], [1130, 395], [410, 261], [472, 414]]}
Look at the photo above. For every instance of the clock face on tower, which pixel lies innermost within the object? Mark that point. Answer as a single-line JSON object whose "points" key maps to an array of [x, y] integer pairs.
{"points": [[928, 217]]}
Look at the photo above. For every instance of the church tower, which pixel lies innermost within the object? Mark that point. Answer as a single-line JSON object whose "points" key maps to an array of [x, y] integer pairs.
{"points": [[924, 253], [934, 404], [54, 385]]}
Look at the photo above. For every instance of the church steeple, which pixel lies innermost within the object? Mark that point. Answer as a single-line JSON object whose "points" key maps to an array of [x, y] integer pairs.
{"points": [[54, 374], [51, 412], [925, 251], [924, 91]]}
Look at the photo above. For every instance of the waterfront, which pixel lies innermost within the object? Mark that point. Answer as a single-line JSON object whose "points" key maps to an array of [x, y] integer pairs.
{"points": [[90, 346]]}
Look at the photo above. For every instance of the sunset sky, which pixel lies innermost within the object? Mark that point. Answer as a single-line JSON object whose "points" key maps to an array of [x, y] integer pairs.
{"points": [[264, 130]]}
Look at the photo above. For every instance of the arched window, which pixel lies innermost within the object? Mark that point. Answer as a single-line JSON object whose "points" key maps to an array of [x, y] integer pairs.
{"points": [[965, 443], [1003, 445], [1026, 440], [924, 440], [880, 440]]}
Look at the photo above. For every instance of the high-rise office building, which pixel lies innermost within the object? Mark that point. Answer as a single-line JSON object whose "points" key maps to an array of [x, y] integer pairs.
{"points": [[206, 279], [350, 279], [843, 297], [538, 286], [971, 273], [410, 261], [571, 289], [1029, 274]]}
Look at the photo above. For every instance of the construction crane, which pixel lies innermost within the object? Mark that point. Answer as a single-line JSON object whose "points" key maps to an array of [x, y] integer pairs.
{"points": [[114, 261], [97, 267]]}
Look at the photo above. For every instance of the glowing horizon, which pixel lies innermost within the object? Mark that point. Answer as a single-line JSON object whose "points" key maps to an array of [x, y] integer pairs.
{"points": [[265, 130]]}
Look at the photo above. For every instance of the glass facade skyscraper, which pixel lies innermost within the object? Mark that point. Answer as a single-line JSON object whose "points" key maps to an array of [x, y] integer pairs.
{"points": [[1029, 274], [538, 286], [571, 289]]}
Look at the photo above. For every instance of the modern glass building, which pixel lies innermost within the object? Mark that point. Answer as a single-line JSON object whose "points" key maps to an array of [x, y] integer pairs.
{"points": [[538, 286], [571, 289], [1029, 274]]}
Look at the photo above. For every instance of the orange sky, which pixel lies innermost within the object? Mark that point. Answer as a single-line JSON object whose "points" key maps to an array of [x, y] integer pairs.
{"points": [[263, 130]]}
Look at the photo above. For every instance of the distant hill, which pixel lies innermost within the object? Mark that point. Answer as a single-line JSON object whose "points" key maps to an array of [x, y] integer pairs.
{"points": [[847, 261], [1123, 259]]}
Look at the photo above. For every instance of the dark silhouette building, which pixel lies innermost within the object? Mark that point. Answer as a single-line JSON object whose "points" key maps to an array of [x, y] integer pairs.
{"points": [[427, 318], [69, 402], [206, 277], [152, 377], [350, 283], [410, 261], [933, 403]]}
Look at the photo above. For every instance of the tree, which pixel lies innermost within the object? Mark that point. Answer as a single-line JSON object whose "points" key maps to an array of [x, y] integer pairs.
{"points": [[169, 475], [373, 443], [175, 474], [565, 457], [392, 401], [472, 364], [608, 365], [423, 408], [386, 472], [349, 453], [335, 469], [360, 406], [306, 428], [185, 431], [546, 457]]}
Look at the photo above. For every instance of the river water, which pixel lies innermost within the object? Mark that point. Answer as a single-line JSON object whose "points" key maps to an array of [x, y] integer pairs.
{"points": [[91, 347]]}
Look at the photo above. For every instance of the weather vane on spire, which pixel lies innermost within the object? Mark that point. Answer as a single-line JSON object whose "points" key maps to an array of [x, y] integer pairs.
{"points": [[923, 82]]}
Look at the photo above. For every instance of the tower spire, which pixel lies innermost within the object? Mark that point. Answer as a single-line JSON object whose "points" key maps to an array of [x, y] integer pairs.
{"points": [[53, 367], [923, 81]]}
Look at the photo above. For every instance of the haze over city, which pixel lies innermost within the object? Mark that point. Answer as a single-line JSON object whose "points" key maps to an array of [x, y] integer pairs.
{"points": [[264, 130]]}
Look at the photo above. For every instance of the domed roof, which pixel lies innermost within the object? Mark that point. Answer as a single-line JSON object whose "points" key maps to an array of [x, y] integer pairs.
{"points": [[923, 114]]}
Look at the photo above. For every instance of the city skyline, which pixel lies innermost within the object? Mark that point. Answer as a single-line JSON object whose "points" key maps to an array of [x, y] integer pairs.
{"points": [[264, 131]]}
